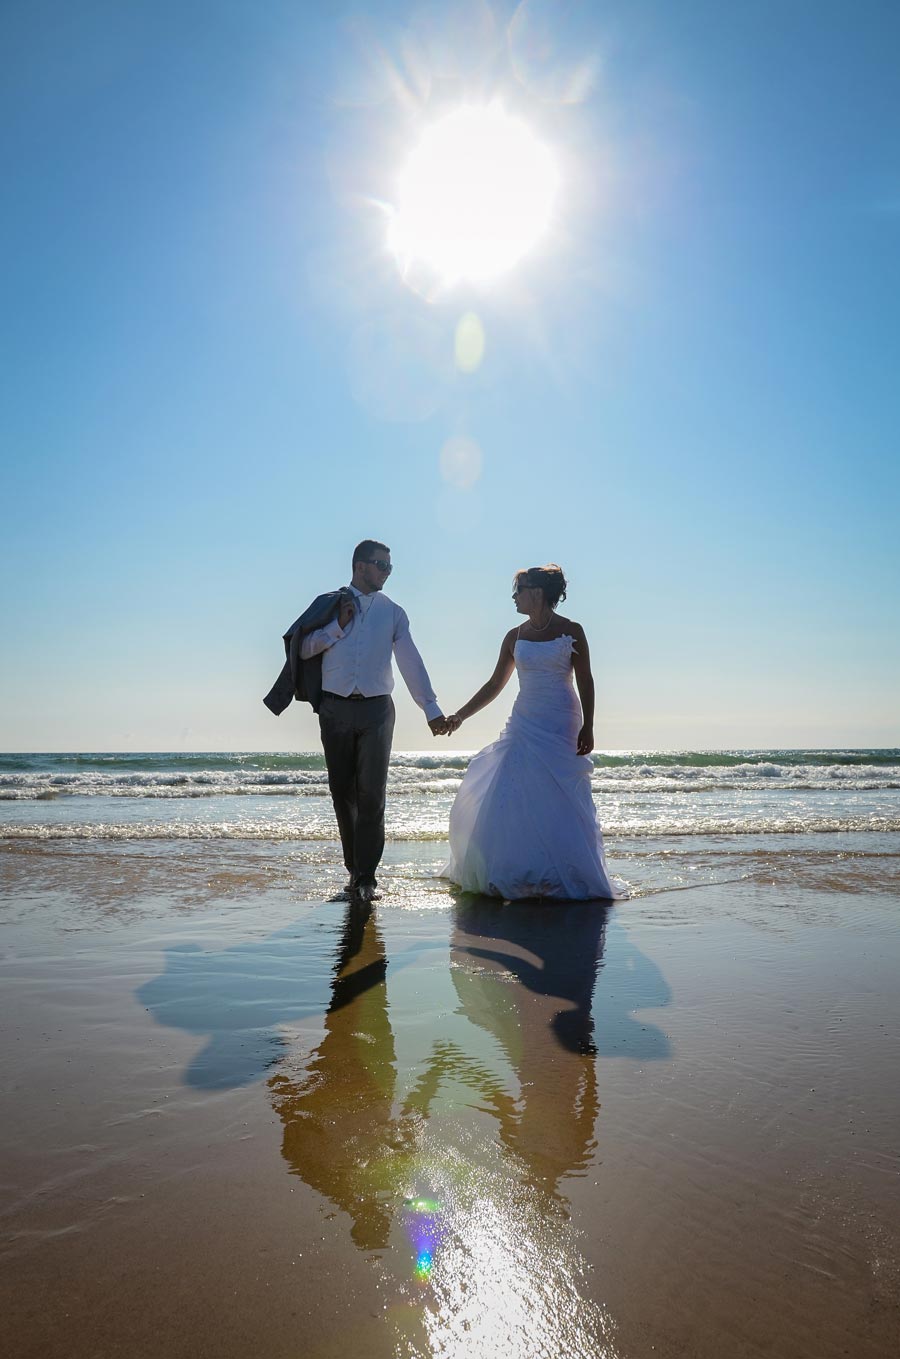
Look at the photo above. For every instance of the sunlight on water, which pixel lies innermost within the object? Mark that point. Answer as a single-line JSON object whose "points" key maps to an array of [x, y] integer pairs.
{"points": [[502, 1264]]}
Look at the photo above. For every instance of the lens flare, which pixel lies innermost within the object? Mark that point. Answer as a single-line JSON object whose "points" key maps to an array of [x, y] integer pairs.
{"points": [[423, 1228], [423, 1205], [468, 342], [423, 1264], [461, 462]]}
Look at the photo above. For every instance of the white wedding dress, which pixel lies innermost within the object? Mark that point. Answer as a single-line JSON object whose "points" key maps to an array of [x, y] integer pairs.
{"points": [[523, 823]]}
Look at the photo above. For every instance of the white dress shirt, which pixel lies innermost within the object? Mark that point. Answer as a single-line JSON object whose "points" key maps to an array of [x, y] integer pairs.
{"points": [[357, 659]]}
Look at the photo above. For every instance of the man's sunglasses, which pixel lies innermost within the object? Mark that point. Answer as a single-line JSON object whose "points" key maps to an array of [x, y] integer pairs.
{"points": [[382, 565]]}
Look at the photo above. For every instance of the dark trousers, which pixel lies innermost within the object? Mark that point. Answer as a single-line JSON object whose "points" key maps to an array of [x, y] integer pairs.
{"points": [[356, 738]]}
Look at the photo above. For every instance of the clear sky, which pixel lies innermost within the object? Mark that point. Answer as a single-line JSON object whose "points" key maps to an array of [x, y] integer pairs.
{"points": [[217, 381]]}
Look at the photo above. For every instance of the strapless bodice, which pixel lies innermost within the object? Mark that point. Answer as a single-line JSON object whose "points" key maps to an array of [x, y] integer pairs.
{"points": [[547, 696], [541, 663]]}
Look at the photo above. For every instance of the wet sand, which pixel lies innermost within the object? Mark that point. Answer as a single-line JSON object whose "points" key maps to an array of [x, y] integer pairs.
{"points": [[242, 1119]]}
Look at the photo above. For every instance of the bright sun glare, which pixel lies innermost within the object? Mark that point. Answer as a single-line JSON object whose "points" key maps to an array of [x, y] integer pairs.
{"points": [[474, 197]]}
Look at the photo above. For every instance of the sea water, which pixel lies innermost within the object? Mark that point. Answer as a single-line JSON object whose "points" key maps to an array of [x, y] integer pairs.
{"points": [[669, 818]]}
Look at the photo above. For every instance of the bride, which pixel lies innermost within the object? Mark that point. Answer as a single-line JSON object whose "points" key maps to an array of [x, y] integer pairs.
{"points": [[523, 823]]}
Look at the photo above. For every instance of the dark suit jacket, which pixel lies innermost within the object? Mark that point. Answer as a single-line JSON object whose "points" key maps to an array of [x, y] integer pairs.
{"points": [[303, 679]]}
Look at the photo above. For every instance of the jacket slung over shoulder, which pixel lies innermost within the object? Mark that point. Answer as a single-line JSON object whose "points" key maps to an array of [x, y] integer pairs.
{"points": [[303, 679]]}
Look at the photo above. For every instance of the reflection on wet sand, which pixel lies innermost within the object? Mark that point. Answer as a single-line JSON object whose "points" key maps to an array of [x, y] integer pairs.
{"points": [[526, 975], [339, 1131], [452, 1095], [459, 1161]]}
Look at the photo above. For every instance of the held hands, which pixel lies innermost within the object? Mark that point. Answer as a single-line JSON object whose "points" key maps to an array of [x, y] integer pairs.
{"points": [[585, 741], [445, 726]]}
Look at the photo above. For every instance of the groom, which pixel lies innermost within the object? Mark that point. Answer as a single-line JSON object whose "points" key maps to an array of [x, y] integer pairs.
{"points": [[356, 713]]}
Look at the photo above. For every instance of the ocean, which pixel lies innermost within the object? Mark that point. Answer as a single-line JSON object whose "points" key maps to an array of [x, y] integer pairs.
{"points": [[669, 818]]}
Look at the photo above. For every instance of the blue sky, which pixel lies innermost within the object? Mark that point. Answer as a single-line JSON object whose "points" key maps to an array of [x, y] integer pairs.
{"points": [[216, 380]]}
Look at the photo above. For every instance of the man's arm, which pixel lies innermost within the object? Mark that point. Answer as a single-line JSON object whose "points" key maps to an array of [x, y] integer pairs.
{"points": [[320, 640], [323, 638], [412, 668]]}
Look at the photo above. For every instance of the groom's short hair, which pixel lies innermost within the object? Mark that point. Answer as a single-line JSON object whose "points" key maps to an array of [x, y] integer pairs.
{"points": [[363, 551]]}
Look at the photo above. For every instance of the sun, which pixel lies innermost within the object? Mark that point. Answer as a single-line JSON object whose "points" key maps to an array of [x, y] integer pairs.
{"points": [[475, 196]]}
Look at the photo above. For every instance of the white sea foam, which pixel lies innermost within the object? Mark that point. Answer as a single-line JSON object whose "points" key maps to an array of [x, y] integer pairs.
{"points": [[414, 773], [285, 797]]}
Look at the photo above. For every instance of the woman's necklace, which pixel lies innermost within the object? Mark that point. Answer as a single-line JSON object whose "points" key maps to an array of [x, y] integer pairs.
{"points": [[535, 628]]}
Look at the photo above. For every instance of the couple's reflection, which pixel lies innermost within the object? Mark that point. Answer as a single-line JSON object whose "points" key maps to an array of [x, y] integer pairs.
{"points": [[340, 1134], [524, 975]]}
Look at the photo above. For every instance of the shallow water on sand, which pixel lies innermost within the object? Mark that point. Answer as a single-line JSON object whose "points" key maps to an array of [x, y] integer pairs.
{"points": [[242, 1117]]}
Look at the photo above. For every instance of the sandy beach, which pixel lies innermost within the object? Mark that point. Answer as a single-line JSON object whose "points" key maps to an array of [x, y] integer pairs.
{"points": [[241, 1118]]}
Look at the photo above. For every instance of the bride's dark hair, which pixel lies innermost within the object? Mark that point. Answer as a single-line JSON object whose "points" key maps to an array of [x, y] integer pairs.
{"points": [[548, 578]]}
